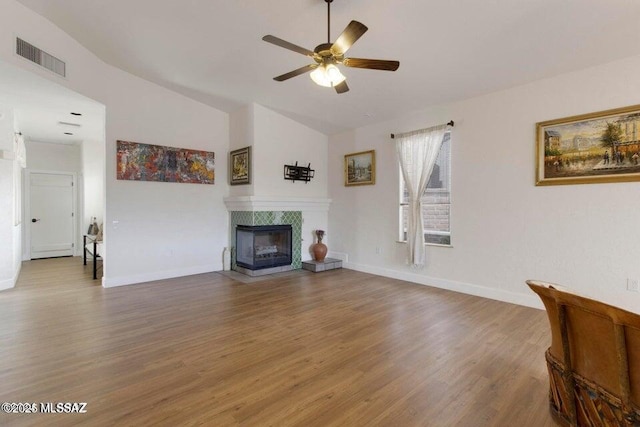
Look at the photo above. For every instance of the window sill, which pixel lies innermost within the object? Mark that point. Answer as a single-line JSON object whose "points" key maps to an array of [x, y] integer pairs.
{"points": [[428, 244]]}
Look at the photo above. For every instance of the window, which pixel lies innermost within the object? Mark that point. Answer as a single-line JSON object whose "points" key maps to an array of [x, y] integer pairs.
{"points": [[436, 200]]}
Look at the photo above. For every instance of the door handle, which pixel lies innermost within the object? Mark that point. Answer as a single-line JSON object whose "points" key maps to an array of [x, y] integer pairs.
{"points": [[34, 220]]}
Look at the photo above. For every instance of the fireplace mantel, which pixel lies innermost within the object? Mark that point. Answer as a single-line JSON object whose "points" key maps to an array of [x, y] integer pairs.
{"points": [[276, 203]]}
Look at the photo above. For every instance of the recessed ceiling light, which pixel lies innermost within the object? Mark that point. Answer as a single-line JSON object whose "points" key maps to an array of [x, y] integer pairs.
{"points": [[76, 114], [68, 133]]}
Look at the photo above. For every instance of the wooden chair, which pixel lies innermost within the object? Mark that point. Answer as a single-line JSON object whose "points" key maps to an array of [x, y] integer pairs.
{"points": [[593, 361]]}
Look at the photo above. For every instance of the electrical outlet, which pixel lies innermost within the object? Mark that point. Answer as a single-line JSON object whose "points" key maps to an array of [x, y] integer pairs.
{"points": [[377, 250], [633, 285]]}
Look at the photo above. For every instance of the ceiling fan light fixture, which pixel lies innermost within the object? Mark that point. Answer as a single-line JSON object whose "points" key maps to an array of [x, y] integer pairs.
{"points": [[327, 76]]}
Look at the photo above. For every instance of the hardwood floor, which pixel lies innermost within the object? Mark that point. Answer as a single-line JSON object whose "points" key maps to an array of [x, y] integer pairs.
{"points": [[339, 348]]}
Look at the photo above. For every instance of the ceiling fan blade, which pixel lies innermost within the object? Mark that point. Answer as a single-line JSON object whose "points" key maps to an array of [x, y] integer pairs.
{"points": [[294, 73], [349, 36], [342, 87], [372, 64], [285, 44]]}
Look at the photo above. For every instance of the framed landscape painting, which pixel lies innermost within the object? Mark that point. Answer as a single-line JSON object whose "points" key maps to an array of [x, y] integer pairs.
{"points": [[240, 166], [360, 168], [589, 148]]}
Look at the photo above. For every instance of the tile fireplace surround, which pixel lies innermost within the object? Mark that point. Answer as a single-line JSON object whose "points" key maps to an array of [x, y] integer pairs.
{"points": [[252, 210], [294, 218]]}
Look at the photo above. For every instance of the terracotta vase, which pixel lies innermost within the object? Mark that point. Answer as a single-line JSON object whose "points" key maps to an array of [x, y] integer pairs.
{"points": [[319, 251]]}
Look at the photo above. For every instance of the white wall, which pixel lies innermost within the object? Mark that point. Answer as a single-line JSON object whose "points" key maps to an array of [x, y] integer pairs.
{"points": [[10, 243], [163, 229], [53, 157], [93, 182], [153, 230], [504, 229], [279, 141], [241, 134]]}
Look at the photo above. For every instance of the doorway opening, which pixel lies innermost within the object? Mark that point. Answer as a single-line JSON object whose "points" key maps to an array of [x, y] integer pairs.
{"points": [[63, 185]]}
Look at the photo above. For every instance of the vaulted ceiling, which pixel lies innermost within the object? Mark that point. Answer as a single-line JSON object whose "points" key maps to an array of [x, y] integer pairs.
{"points": [[448, 50]]}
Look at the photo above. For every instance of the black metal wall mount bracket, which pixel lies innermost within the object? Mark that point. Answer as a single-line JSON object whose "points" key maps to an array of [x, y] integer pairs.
{"points": [[298, 173]]}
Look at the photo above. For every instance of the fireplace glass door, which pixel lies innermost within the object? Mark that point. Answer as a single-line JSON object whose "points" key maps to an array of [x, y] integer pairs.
{"points": [[263, 246]]}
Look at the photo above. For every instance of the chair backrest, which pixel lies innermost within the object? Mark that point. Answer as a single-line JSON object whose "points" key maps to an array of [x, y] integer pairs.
{"points": [[597, 341]]}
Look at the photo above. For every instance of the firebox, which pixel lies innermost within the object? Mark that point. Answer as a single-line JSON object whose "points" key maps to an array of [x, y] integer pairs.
{"points": [[263, 246]]}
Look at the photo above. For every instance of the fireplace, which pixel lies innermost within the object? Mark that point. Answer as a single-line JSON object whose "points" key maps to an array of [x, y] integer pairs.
{"points": [[263, 247]]}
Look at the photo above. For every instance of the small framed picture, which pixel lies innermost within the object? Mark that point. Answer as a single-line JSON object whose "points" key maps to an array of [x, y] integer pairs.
{"points": [[360, 168], [240, 166], [589, 148]]}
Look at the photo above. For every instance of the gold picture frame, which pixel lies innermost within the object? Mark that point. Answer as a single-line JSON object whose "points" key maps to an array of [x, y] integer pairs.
{"points": [[240, 166], [360, 168], [589, 148]]}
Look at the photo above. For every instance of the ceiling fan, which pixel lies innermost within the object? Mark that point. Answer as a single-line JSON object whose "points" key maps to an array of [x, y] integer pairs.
{"points": [[328, 55]]}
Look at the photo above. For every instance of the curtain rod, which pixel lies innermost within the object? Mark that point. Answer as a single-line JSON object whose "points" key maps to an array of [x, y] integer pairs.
{"points": [[448, 124]]}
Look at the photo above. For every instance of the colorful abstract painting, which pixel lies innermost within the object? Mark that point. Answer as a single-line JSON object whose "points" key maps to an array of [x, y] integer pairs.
{"points": [[146, 162]]}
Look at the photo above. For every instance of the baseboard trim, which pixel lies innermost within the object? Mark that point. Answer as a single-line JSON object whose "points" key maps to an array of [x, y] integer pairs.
{"points": [[451, 285], [6, 284], [462, 287], [111, 282], [338, 255], [11, 283]]}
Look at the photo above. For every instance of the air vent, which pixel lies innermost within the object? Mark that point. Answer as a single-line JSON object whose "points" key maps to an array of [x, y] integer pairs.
{"points": [[40, 57]]}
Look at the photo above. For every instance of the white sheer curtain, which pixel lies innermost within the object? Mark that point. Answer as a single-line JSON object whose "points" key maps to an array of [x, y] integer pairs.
{"points": [[20, 151], [417, 153]]}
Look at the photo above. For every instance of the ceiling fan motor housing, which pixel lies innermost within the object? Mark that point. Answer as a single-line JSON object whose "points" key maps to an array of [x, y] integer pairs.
{"points": [[324, 54]]}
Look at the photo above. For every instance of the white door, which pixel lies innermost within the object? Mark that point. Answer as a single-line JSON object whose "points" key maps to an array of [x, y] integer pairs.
{"points": [[52, 217]]}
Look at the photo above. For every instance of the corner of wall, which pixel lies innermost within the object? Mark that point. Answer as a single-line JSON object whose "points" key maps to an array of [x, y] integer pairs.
{"points": [[451, 285]]}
